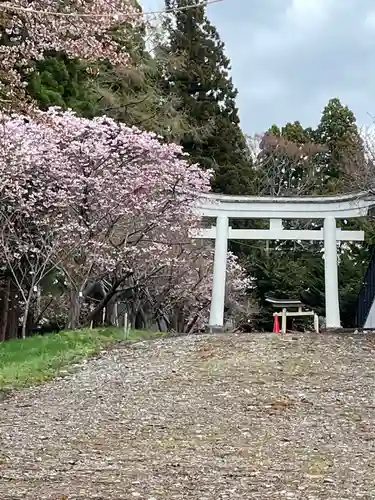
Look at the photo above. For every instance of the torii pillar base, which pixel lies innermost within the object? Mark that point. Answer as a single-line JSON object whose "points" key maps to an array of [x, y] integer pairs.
{"points": [[214, 329]]}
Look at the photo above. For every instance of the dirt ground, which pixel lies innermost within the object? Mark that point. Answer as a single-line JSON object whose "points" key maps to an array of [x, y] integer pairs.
{"points": [[206, 418]]}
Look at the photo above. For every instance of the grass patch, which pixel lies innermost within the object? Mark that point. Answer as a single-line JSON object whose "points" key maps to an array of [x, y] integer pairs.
{"points": [[39, 358]]}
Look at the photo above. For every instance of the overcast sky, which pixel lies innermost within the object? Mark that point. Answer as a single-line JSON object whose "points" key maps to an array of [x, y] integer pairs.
{"points": [[290, 56]]}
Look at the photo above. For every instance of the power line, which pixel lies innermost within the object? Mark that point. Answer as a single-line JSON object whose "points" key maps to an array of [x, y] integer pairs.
{"points": [[12, 7], [184, 7]]}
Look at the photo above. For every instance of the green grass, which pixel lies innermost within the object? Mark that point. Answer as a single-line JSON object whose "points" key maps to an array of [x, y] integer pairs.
{"points": [[39, 358]]}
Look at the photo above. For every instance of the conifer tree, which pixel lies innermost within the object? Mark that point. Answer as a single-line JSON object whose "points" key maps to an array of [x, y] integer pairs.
{"points": [[207, 96], [343, 159]]}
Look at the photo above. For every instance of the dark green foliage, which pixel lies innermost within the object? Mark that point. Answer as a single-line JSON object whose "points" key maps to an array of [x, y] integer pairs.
{"points": [[352, 268], [342, 169], [285, 167], [207, 97], [59, 81], [343, 161]]}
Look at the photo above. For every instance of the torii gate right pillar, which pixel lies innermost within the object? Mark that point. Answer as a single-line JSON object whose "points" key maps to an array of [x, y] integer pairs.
{"points": [[331, 274]]}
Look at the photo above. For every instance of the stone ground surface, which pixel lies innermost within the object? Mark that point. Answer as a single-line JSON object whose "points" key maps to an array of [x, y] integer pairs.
{"points": [[206, 418]]}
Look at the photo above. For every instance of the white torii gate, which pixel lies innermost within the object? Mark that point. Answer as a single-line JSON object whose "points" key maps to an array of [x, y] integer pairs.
{"points": [[328, 208]]}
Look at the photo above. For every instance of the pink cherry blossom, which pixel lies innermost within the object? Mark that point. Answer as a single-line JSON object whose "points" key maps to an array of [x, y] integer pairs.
{"points": [[96, 200]]}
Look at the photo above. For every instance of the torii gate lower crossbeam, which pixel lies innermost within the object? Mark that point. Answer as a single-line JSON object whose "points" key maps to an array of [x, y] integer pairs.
{"points": [[276, 209]]}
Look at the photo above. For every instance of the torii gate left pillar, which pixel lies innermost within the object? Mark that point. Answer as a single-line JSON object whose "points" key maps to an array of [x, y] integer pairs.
{"points": [[216, 321]]}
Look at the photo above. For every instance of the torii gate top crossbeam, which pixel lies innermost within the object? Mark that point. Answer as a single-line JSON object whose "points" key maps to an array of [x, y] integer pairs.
{"points": [[301, 207]]}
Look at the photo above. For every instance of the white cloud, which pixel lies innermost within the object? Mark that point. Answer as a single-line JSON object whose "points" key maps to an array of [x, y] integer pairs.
{"points": [[308, 12]]}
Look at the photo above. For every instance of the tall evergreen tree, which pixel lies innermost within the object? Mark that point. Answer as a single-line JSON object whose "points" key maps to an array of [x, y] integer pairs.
{"points": [[207, 97], [344, 159], [344, 168]]}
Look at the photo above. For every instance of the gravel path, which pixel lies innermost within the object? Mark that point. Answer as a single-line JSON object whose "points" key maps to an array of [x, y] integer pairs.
{"points": [[205, 418]]}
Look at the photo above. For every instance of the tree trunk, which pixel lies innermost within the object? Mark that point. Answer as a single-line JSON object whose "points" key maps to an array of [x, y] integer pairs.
{"points": [[105, 301], [9, 310], [111, 312], [25, 319], [5, 299], [38, 302], [97, 320], [190, 326], [178, 319], [140, 320], [13, 313], [74, 311]]}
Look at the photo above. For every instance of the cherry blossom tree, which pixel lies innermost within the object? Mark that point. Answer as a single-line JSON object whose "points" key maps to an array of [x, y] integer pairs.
{"points": [[131, 196], [97, 200], [79, 28], [32, 204], [182, 298]]}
